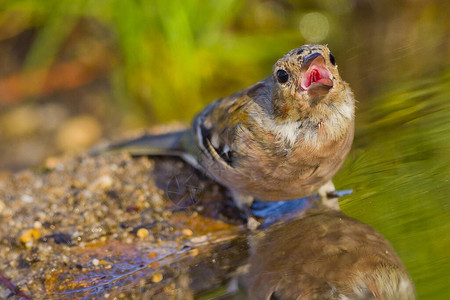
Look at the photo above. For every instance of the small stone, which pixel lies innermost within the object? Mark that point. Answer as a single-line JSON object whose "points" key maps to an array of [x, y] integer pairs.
{"points": [[157, 277], [199, 239], [142, 233], [166, 214], [194, 252], [51, 162], [103, 183], [187, 232], [29, 236], [252, 224], [27, 198], [37, 225], [95, 262]]}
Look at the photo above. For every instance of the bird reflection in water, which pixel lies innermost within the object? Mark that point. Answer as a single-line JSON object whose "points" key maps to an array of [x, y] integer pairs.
{"points": [[324, 255]]}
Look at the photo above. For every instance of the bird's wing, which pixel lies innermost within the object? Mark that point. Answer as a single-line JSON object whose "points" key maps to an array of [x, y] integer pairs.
{"points": [[223, 126]]}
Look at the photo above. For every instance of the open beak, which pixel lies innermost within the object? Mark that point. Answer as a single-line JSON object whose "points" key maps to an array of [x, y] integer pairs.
{"points": [[316, 78]]}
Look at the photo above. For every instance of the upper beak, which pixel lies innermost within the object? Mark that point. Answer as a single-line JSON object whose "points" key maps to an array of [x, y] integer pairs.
{"points": [[316, 78], [309, 59]]}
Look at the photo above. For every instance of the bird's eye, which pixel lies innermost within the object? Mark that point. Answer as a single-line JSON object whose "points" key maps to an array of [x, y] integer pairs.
{"points": [[332, 59], [282, 76]]}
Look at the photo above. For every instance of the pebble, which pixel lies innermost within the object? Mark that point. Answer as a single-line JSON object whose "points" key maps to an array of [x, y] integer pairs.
{"points": [[29, 236], [142, 233], [199, 239], [27, 198], [52, 162], [37, 225], [157, 277], [95, 262], [194, 252], [187, 232], [102, 183]]}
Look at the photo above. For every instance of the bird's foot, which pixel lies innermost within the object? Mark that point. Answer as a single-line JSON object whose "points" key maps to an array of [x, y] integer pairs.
{"points": [[271, 209], [243, 202], [329, 196], [272, 212]]}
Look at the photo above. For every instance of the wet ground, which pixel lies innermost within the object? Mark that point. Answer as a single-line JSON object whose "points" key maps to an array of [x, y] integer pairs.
{"points": [[116, 227], [87, 226]]}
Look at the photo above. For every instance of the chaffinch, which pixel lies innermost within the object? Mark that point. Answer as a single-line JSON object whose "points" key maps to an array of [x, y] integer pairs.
{"points": [[280, 139]]}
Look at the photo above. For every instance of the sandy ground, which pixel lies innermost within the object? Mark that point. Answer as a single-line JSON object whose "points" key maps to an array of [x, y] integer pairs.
{"points": [[98, 226]]}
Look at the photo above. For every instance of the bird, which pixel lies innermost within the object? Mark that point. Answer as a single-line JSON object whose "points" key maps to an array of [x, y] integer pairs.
{"points": [[324, 254], [282, 138]]}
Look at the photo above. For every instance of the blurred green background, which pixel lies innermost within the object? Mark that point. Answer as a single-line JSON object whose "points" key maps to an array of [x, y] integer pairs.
{"points": [[74, 72]]}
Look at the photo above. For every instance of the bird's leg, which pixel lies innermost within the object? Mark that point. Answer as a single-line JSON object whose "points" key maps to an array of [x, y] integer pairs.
{"points": [[328, 196], [243, 202]]}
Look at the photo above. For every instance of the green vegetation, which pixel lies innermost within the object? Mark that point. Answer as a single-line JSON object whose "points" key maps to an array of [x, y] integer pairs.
{"points": [[170, 58]]}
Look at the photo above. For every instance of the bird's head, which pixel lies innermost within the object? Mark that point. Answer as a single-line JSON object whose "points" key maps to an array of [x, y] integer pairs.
{"points": [[305, 81]]}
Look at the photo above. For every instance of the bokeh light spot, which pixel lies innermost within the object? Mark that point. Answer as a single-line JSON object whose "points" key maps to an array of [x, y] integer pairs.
{"points": [[314, 27]]}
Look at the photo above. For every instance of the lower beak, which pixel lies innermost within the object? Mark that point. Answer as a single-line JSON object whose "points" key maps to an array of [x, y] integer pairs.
{"points": [[316, 78]]}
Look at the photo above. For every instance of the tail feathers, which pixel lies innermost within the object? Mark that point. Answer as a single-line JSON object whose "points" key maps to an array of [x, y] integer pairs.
{"points": [[164, 144]]}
